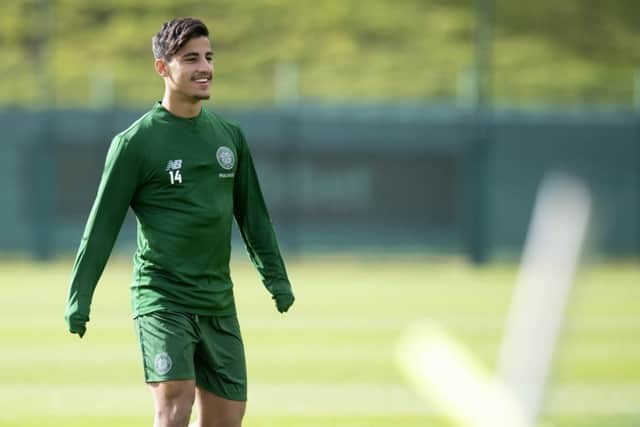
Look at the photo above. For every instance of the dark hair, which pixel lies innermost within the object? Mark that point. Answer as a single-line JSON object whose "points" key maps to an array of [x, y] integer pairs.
{"points": [[176, 33]]}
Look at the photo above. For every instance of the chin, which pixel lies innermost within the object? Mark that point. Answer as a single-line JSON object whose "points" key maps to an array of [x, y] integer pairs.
{"points": [[202, 97]]}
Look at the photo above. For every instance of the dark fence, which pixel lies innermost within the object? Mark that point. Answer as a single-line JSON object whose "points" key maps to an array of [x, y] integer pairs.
{"points": [[385, 178]]}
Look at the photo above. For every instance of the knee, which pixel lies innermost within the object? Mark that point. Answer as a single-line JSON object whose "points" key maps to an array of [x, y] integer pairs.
{"points": [[174, 407], [173, 414]]}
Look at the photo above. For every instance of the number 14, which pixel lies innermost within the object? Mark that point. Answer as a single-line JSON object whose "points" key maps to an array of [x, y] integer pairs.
{"points": [[175, 176]]}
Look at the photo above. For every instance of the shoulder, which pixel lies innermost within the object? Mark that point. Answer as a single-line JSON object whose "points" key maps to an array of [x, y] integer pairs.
{"points": [[232, 128], [132, 140], [138, 130]]}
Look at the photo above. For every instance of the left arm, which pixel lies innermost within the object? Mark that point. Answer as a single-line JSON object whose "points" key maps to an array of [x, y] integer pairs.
{"points": [[256, 228]]}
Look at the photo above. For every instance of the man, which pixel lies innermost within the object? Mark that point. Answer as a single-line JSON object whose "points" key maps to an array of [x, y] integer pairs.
{"points": [[186, 173]]}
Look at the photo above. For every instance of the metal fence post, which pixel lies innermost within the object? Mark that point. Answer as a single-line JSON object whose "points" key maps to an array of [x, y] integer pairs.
{"points": [[477, 206]]}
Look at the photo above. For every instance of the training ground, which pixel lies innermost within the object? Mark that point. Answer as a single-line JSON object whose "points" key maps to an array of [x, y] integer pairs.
{"points": [[331, 360]]}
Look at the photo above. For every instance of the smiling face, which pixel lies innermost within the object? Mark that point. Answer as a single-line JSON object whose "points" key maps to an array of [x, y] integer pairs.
{"points": [[189, 72]]}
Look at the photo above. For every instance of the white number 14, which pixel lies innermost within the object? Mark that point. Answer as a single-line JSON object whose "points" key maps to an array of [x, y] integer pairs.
{"points": [[175, 176]]}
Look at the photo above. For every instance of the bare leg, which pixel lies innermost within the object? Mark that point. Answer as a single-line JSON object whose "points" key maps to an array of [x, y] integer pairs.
{"points": [[173, 402], [215, 411]]}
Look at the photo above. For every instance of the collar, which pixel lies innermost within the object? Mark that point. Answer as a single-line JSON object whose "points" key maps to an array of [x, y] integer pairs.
{"points": [[162, 113]]}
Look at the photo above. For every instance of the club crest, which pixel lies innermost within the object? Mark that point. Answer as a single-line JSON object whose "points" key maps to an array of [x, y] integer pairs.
{"points": [[163, 363], [226, 158]]}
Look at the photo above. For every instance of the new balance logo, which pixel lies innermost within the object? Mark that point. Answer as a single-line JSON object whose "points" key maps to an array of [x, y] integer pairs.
{"points": [[173, 167]]}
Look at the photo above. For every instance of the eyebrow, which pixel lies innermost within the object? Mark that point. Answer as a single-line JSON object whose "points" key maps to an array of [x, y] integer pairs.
{"points": [[190, 54]]}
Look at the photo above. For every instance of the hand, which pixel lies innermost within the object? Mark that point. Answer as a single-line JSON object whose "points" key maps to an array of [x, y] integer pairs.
{"points": [[284, 301], [76, 321], [79, 329]]}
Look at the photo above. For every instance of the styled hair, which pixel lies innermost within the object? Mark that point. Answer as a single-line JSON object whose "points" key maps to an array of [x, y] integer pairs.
{"points": [[174, 34]]}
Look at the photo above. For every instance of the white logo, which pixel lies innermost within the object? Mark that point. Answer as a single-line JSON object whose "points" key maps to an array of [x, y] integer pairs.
{"points": [[173, 167], [225, 157], [163, 363]]}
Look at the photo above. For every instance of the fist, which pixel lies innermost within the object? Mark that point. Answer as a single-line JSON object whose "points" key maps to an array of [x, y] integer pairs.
{"points": [[284, 301]]}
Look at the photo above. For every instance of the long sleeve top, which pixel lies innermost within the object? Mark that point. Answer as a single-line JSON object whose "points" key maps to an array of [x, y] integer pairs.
{"points": [[185, 180]]}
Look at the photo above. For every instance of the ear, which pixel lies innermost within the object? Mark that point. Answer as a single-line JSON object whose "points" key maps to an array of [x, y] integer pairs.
{"points": [[161, 67]]}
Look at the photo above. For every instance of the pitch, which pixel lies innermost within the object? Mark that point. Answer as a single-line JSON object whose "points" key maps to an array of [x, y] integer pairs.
{"points": [[330, 361]]}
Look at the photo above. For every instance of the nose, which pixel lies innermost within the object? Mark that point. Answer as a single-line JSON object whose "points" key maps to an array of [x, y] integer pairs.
{"points": [[205, 65]]}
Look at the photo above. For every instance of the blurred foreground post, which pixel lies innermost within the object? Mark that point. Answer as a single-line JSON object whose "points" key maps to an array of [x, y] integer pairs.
{"points": [[450, 378], [556, 234]]}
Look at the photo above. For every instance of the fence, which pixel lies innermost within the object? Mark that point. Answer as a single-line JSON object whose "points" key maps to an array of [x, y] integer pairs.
{"points": [[386, 178]]}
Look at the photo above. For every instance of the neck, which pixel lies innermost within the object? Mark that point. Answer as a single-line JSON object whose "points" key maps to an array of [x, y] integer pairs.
{"points": [[181, 107]]}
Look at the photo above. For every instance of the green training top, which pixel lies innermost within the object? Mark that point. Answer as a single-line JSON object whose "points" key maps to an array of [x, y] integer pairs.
{"points": [[185, 179]]}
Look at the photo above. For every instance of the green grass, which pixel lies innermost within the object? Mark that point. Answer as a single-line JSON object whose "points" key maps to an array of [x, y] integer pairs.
{"points": [[330, 361]]}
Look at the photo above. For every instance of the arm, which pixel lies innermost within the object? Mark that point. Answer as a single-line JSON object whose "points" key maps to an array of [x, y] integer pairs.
{"points": [[116, 189], [256, 228]]}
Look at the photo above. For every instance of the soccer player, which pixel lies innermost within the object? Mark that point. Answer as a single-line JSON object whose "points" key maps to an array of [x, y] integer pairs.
{"points": [[186, 173]]}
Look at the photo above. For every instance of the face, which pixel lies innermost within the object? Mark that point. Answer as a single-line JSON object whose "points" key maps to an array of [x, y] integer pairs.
{"points": [[189, 72]]}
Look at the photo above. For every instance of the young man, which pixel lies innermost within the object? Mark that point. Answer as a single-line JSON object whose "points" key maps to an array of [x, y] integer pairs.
{"points": [[186, 173]]}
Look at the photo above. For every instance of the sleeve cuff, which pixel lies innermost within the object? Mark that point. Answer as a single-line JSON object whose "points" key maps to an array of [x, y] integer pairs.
{"points": [[279, 287]]}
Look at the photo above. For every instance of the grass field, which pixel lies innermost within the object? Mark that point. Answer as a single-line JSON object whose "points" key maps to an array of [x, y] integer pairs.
{"points": [[330, 361]]}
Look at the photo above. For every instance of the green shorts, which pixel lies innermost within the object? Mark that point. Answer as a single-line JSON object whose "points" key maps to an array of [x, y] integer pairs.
{"points": [[183, 346]]}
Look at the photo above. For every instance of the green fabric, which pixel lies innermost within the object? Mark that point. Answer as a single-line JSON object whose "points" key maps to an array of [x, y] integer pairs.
{"points": [[185, 180], [181, 346]]}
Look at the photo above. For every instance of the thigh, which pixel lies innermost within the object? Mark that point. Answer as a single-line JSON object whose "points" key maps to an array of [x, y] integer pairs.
{"points": [[219, 358], [216, 411], [167, 341]]}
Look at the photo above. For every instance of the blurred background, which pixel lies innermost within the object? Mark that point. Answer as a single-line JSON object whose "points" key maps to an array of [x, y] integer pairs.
{"points": [[400, 145], [376, 125]]}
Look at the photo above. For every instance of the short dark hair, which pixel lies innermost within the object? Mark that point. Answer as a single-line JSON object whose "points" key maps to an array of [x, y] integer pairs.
{"points": [[176, 33]]}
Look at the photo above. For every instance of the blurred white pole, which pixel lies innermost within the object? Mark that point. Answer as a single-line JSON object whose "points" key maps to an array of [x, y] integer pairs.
{"points": [[466, 90], [102, 93], [547, 270], [287, 85]]}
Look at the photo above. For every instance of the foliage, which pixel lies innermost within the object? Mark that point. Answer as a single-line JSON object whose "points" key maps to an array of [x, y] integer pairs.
{"points": [[81, 53]]}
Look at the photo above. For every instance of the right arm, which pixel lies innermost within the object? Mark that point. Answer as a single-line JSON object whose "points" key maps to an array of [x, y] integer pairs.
{"points": [[117, 187]]}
